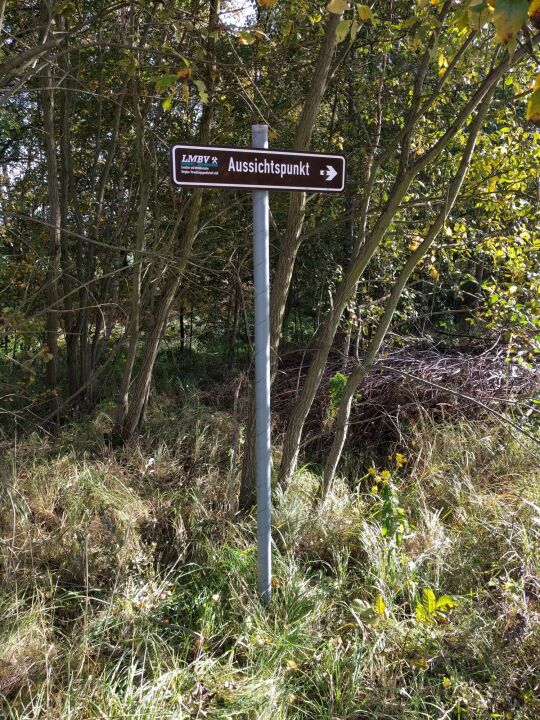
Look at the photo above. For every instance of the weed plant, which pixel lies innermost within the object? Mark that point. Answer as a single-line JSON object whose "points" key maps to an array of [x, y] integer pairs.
{"points": [[128, 589]]}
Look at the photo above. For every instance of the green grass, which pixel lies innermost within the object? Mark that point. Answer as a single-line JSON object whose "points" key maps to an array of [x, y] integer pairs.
{"points": [[128, 590]]}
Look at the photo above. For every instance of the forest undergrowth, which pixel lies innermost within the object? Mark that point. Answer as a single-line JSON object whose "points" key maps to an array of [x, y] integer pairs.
{"points": [[128, 587]]}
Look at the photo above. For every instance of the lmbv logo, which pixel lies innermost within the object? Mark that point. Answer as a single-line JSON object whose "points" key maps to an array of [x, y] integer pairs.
{"points": [[200, 160]]}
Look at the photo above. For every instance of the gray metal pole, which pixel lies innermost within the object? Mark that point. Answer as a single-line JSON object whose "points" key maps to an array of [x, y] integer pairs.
{"points": [[261, 241]]}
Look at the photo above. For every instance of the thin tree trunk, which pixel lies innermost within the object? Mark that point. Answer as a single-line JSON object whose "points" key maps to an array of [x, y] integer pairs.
{"points": [[234, 454], [135, 305], [68, 267], [55, 222], [235, 324], [182, 329], [3, 4]]}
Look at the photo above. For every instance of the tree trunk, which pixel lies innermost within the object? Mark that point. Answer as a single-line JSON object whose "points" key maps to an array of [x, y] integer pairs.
{"points": [[182, 329], [55, 224]]}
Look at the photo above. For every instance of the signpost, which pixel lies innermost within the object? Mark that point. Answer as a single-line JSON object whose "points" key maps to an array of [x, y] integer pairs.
{"points": [[256, 169], [260, 170]]}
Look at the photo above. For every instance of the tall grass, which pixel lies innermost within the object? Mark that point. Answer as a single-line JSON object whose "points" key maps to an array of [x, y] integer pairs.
{"points": [[129, 591]]}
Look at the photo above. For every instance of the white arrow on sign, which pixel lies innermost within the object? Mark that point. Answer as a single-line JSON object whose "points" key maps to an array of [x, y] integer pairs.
{"points": [[330, 173]]}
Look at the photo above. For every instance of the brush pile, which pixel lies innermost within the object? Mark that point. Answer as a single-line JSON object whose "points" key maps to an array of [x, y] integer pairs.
{"points": [[403, 385]]}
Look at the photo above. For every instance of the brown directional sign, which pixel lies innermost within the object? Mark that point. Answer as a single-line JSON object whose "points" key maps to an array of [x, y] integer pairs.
{"points": [[203, 166]]}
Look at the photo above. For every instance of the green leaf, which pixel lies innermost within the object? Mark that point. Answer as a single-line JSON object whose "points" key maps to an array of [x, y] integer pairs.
{"points": [[479, 15], [445, 602], [246, 38], [167, 103], [66, 8], [342, 30], [162, 81], [363, 612], [203, 92], [509, 18], [421, 615]]}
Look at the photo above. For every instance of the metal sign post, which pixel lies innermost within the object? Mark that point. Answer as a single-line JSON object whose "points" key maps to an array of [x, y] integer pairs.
{"points": [[261, 264], [259, 169]]}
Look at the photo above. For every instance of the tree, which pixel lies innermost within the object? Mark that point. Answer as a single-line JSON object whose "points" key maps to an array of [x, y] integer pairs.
{"points": [[416, 151]]}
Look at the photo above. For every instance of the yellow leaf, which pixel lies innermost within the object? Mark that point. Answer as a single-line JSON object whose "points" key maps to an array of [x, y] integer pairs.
{"points": [[380, 606], [434, 273], [184, 73], [272, 135], [185, 92], [491, 185], [428, 600], [443, 63], [292, 665], [400, 460], [337, 7], [375, 489], [533, 107], [365, 13], [534, 13], [267, 3]]}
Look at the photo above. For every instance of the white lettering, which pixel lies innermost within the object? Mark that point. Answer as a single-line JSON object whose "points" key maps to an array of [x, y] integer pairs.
{"points": [[254, 166]]}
